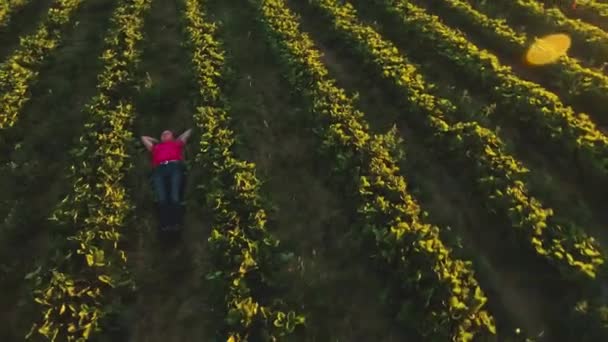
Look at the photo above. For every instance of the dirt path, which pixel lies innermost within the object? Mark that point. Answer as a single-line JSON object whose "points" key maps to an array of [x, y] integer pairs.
{"points": [[35, 163]]}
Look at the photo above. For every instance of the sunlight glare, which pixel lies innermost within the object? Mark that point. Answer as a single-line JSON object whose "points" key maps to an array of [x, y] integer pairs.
{"points": [[548, 49]]}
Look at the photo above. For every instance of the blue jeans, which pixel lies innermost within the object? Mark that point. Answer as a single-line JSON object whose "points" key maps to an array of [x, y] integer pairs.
{"points": [[168, 182]]}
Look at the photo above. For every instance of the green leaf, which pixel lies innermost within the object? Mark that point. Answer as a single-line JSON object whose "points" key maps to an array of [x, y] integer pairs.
{"points": [[33, 273], [214, 275], [106, 279]]}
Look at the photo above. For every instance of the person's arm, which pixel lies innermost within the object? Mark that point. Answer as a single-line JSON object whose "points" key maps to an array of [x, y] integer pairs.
{"points": [[184, 137], [148, 142]]}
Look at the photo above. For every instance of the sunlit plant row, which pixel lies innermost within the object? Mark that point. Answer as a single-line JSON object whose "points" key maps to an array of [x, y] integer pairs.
{"points": [[537, 110], [499, 176], [245, 253], [591, 38], [574, 82], [591, 11], [7, 8], [439, 289], [20, 70], [84, 281]]}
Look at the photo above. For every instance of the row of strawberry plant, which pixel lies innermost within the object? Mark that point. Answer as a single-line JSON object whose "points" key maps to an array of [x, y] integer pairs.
{"points": [[7, 8], [245, 253], [440, 288], [592, 40], [499, 177], [537, 110], [591, 11], [576, 84], [20, 70], [84, 281]]}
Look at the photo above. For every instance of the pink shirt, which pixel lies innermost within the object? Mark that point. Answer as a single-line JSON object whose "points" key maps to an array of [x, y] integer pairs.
{"points": [[167, 151]]}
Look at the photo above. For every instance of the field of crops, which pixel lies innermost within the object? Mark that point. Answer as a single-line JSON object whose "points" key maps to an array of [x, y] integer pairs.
{"points": [[384, 170]]}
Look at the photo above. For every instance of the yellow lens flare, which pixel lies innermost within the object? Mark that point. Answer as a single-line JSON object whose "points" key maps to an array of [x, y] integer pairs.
{"points": [[548, 49]]}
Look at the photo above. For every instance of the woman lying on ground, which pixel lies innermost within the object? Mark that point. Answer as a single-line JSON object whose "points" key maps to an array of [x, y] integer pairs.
{"points": [[168, 176]]}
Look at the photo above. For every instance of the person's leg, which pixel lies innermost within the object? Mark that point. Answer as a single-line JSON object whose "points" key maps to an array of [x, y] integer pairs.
{"points": [[176, 177], [175, 198], [160, 189], [160, 186]]}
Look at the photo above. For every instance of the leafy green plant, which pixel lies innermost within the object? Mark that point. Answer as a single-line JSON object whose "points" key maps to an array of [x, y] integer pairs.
{"points": [[7, 8]]}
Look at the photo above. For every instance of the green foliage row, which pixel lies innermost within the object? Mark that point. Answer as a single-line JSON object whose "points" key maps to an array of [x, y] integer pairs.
{"points": [[7, 7], [536, 109], [575, 82], [20, 70], [551, 19], [592, 11], [440, 288], [245, 252], [79, 286], [498, 176]]}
